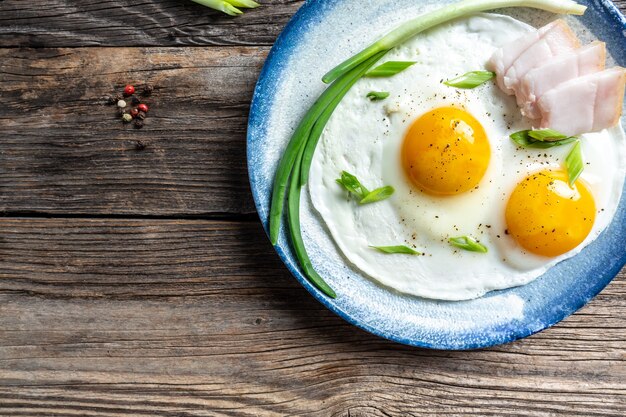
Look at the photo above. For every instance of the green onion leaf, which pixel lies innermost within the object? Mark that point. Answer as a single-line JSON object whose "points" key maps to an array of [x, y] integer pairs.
{"points": [[396, 249], [228, 6], [352, 184], [470, 79], [574, 163], [293, 216], [452, 11], [468, 243], [377, 195], [377, 95], [389, 68], [549, 135], [524, 139]]}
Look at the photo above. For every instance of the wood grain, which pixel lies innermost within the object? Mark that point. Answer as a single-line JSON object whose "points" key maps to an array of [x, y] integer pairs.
{"points": [[63, 151], [72, 23], [169, 316], [199, 318]]}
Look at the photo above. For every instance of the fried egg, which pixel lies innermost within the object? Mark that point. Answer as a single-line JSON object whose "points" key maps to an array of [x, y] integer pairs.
{"points": [[455, 172]]}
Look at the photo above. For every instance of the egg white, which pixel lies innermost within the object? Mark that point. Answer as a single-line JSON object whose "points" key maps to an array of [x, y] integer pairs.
{"points": [[365, 138]]}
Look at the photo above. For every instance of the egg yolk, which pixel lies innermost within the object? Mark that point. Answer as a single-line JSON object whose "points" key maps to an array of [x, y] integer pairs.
{"points": [[547, 217], [445, 152]]}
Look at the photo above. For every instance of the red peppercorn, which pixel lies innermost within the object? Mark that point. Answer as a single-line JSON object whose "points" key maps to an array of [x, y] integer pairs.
{"points": [[142, 107], [134, 112], [128, 90]]}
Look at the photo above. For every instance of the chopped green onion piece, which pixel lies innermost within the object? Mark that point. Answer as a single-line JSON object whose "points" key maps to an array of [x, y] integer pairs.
{"points": [[228, 6], [468, 243], [389, 68], [377, 95], [378, 195], [523, 139], [352, 184], [452, 11], [247, 4], [470, 79], [396, 249], [574, 163], [549, 135]]}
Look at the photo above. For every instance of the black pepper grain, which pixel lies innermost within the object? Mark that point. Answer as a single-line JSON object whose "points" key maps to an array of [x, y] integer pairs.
{"points": [[138, 124], [141, 115], [134, 100], [147, 89]]}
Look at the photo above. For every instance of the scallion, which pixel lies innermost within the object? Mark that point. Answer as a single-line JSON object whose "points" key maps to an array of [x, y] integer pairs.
{"points": [[470, 79], [389, 68], [525, 139], [378, 194], [354, 186], [574, 163], [468, 243], [293, 215], [230, 7], [546, 135], [377, 95], [452, 11], [396, 249]]}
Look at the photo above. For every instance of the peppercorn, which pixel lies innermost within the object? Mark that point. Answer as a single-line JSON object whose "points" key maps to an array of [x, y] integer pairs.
{"points": [[120, 111], [147, 89], [139, 145], [134, 101], [121, 104], [127, 117], [134, 112], [138, 124], [141, 115], [142, 107], [129, 90], [109, 99], [118, 97]]}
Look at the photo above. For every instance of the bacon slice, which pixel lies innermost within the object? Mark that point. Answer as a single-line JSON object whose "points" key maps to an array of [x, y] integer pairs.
{"points": [[584, 104], [582, 61], [503, 59]]}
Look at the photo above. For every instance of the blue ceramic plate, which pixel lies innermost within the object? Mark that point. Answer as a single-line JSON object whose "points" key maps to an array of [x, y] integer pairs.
{"points": [[288, 84]]}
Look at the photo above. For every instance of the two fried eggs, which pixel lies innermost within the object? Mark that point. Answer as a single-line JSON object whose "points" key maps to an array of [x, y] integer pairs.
{"points": [[456, 173]]}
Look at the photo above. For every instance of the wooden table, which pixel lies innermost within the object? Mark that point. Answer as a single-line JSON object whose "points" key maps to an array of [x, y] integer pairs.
{"points": [[135, 278]]}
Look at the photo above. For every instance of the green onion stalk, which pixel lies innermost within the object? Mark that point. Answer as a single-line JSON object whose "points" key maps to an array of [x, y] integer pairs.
{"points": [[426, 21], [230, 7], [293, 168]]}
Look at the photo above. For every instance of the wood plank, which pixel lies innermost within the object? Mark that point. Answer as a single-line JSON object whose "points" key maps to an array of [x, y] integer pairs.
{"points": [[63, 151], [71, 23], [197, 318]]}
